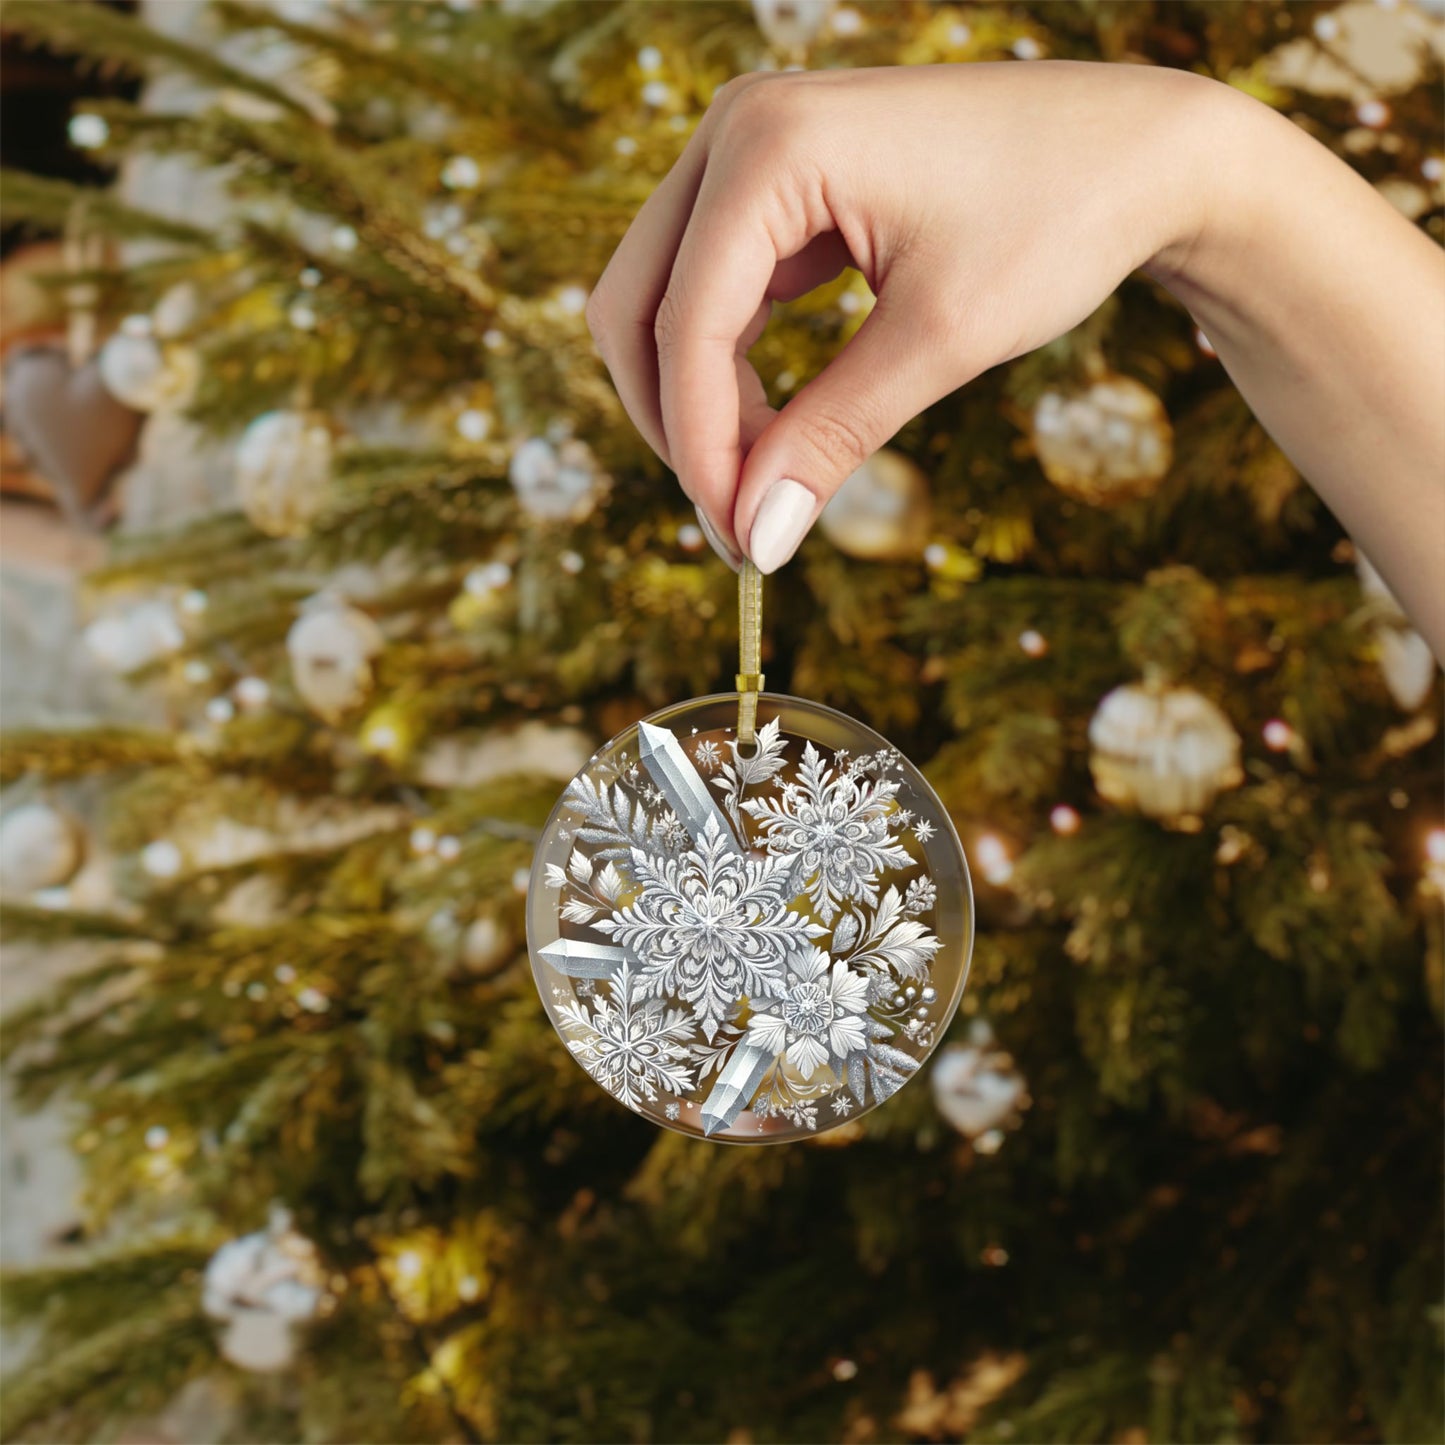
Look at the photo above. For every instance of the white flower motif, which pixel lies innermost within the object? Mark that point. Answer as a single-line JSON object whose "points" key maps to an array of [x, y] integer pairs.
{"points": [[673, 1109], [709, 925], [633, 1049], [834, 833], [842, 1104], [923, 830], [707, 755], [814, 1018]]}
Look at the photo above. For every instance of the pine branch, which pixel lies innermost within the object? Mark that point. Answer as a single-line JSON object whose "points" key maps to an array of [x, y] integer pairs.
{"points": [[119, 42], [82, 752], [51, 204]]}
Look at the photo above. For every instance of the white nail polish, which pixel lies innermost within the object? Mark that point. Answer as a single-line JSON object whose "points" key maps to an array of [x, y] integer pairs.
{"points": [[716, 542], [787, 511]]}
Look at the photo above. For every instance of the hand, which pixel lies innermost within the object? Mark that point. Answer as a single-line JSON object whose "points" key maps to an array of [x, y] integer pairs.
{"points": [[989, 207]]}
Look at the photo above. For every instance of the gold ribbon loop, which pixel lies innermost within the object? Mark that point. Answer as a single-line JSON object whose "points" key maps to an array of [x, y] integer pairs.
{"points": [[750, 650]]}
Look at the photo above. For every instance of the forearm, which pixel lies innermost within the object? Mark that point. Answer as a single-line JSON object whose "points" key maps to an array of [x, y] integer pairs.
{"points": [[1327, 309]]}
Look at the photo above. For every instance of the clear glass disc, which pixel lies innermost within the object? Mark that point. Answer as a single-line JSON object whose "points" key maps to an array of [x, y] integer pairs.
{"points": [[750, 945]]}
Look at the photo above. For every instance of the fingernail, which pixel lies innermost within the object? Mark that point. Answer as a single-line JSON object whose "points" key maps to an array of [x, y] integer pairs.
{"points": [[716, 542], [781, 524]]}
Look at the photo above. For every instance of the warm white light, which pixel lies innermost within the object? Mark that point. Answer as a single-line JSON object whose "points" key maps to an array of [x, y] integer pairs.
{"points": [[449, 848], [1278, 735], [157, 1136], [253, 692], [1033, 642], [474, 425], [220, 710], [408, 1264], [1435, 845], [461, 173], [423, 840], [1064, 820], [88, 132], [1373, 113], [649, 58], [993, 859], [489, 577], [161, 859]]}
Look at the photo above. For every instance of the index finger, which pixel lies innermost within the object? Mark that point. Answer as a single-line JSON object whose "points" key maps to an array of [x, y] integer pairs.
{"points": [[718, 287]]}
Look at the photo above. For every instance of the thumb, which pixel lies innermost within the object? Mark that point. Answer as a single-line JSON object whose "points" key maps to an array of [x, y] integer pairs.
{"points": [[900, 361]]}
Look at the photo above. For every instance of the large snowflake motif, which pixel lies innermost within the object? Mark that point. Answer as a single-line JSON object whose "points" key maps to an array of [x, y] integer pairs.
{"points": [[634, 1048], [812, 1019], [709, 925], [833, 832]]}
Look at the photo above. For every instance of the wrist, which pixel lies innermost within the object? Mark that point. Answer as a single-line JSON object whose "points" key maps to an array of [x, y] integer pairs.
{"points": [[1221, 145]]}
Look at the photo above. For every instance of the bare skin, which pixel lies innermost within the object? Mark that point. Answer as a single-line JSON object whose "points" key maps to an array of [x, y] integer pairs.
{"points": [[991, 208]]}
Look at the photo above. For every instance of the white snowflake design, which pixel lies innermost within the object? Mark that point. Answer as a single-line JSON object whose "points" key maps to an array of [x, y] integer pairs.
{"points": [[709, 926], [835, 832], [634, 1050], [745, 930]]}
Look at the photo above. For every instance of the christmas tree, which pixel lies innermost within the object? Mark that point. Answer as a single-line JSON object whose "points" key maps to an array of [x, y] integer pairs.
{"points": [[1177, 1175]]}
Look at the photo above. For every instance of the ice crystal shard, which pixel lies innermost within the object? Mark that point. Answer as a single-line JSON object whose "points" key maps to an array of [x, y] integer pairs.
{"points": [[579, 959], [739, 1077], [672, 770]]}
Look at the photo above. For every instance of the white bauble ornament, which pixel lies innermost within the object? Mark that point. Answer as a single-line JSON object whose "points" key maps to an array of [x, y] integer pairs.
{"points": [[792, 25], [40, 847], [141, 373], [1406, 661], [1108, 443], [283, 470], [881, 512], [976, 1086], [261, 1286], [1164, 751], [486, 945], [331, 647], [258, 1341], [555, 482], [135, 637]]}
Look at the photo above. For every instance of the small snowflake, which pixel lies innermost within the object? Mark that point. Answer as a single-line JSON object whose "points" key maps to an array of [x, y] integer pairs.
{"points": [[673, 1109], [842, 1105], [923, 830], [707, 755], [566, 835], [631, 773], [652, 796], [903, 818], [558, 991], [586, 987]]}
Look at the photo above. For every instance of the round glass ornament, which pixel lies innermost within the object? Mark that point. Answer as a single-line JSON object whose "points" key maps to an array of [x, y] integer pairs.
{"points": [[750, 944]]}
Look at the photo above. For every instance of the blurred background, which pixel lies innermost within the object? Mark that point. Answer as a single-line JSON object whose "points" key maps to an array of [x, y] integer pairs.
{"points": [[329, 556]]}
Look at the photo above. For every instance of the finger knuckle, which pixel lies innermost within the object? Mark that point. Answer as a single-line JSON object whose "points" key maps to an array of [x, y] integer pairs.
{"points": [[668, 324], [840, 441], [764, 116], [598, 317]]}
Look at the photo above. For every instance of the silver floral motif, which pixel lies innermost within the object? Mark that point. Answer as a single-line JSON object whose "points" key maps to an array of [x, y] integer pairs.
{"points": [[745, 930], [812, 1018], [834, 830]]}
